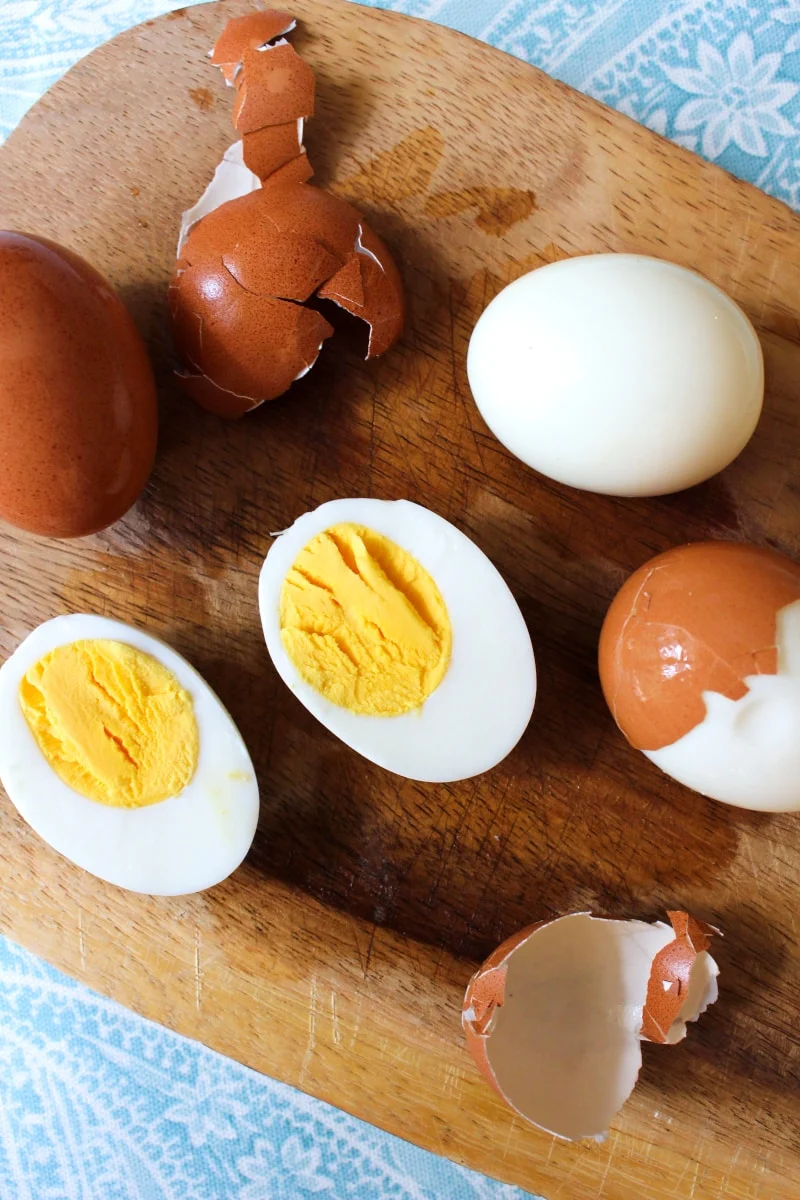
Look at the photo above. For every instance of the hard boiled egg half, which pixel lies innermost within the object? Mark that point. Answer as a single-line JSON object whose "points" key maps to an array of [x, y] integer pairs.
{"points": [[117, 753], [400, 636]]}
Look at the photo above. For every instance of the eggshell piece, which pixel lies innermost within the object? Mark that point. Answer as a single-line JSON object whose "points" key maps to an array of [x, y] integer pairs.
{"points": [[277, 86], [222, 330], [555, 1016], [298, 170], [369, 287], [695, 619], [215, 399], [77, 398], [300, 208], [249, 32], [280, 265], [267, 149], [231, 179], [669, 988], [485, 994], [346, 286], [278, 238]]}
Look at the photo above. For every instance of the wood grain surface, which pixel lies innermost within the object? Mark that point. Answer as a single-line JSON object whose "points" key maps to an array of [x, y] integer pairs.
{"points": [[337, 956]]}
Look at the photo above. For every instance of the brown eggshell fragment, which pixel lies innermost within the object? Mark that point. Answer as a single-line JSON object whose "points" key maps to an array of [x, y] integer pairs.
{"points": [[486, 992], [369, 287], [346, 287], [698, 618], [253, 346], [280, 264], [555, 1017], [247, 33], [299, 170], [283, 241], [300, 208], [670, 978], [215, 399], [277, 86], [265, 150], [77, 398]]}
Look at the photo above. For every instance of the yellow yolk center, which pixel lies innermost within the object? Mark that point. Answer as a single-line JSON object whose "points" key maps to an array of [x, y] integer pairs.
{"points": [[112, 722], [364, 623]]}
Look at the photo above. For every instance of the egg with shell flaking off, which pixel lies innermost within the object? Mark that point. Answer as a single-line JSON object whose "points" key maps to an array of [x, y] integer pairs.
{"points": [[700, 665]]}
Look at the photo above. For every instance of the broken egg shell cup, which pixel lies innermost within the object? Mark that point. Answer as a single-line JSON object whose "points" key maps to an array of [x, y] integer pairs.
{"points": [[666, 978]]}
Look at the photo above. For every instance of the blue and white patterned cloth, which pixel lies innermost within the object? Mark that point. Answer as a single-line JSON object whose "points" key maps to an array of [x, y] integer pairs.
{"points": [[719, 76], [96, 1104]]}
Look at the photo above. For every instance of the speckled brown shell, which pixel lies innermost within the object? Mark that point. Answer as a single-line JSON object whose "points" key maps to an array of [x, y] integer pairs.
{"points": [[669, 977], [672, 966], [77, 399], [486, 992], [698, 618], [247, 33], [248, 266]]}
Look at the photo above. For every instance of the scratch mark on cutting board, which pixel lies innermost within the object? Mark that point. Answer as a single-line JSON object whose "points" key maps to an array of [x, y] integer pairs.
{"points": [[312, 1030], [337, 1033], [81, 941], [198, 974]]}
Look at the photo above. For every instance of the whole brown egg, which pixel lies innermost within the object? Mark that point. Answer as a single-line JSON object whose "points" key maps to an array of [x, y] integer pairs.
{"points": [[77, 399], [700, 665]]}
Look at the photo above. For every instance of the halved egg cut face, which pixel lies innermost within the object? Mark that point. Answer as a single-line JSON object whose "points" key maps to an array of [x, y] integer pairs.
{"points": [[118, 754], [400, 636]]}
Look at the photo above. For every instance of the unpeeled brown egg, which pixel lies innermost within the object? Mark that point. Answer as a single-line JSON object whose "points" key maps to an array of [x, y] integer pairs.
{"points": [[77, 398]]}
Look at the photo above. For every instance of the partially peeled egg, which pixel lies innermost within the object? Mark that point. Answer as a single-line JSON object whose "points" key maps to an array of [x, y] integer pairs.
{"points": [[556, 1016], [700, 665]]}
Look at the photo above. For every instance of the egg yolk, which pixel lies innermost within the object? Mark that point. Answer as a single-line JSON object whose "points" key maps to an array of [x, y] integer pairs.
{"points": [[364, 623], [112, 722]]}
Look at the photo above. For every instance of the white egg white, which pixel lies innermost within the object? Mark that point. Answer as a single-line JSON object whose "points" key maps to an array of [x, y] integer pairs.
{"points": [[618, 373], [483, 705], [184, 844], [746, 752]]}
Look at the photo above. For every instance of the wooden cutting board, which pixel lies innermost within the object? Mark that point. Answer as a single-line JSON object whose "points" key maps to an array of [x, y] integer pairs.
{"points": [[337, 956]]}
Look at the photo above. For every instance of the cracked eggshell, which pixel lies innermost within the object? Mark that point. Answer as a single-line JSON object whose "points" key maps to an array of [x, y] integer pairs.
{"points": [[244, 272], [699, 661], [259, 238], [250, 347], [250, 32], [369, 287], [277, 86], [555, 1017], [266, 150]]}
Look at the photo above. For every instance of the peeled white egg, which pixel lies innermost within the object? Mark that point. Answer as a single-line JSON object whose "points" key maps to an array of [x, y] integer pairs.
{"points": [[618, 373], [180, 845], [479, 711]]}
